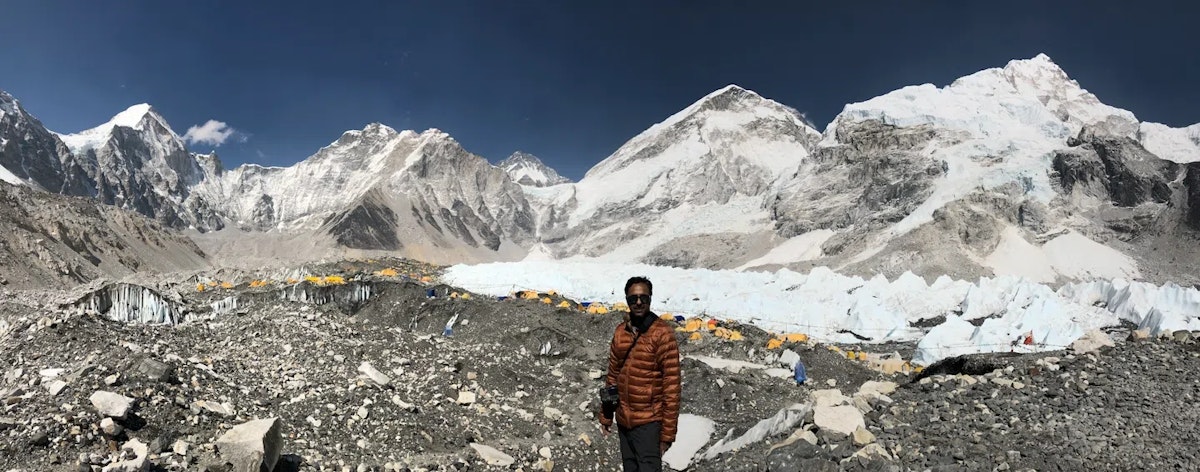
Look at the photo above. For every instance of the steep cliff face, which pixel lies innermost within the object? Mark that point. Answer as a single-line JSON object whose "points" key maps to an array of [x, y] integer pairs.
{"points": [[31, 155], [138, 163]]}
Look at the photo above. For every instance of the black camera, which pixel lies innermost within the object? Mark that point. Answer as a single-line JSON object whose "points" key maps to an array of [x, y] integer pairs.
{"points": [[609, 400]]}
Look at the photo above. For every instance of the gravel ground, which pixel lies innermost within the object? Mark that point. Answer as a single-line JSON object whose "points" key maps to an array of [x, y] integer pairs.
{"points": [[1129, 407], [520, 376], [528, 365]]}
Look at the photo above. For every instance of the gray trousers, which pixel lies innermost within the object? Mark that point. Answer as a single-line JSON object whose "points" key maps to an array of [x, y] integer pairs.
{"points": [[639, 448]]}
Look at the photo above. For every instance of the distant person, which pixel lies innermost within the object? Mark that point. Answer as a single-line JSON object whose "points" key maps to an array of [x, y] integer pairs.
{"points": [[642, 388]]}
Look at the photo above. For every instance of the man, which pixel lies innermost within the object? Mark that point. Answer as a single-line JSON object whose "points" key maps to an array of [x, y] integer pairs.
{"points": [[643, 363]]}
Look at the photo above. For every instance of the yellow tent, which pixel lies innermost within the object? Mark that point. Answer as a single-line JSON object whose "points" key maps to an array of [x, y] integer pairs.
{"points": [[564, 304], [547, 300], [693, 325], [529, 295], [597, 309], [774, 343]]}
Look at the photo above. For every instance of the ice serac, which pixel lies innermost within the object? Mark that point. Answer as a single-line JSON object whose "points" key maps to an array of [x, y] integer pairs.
{"points": [[703, 173], [138, 163], [31, 155], [527, 169]]}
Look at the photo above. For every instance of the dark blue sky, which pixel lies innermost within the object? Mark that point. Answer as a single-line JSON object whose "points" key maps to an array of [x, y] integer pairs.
{"points": [[566, 81]]}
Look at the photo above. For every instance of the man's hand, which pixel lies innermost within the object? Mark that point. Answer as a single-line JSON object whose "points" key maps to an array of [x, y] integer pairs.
{"points": [[605, 429], [662, 447]]}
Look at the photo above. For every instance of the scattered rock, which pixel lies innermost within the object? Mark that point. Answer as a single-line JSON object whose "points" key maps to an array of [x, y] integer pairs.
{"points": [[133, 458], [154, 370], [862, 437], [111, 404], [841, 419], [180, 447], [39, 439], [1092, 341], [883, 388], [376, 376], [51, 373], [1139, 334], [55, 387], [223, 409], [828, 397], [252, 445], [492, 455], [788, 358], [110, 427], [873, 451], [466, 398]]}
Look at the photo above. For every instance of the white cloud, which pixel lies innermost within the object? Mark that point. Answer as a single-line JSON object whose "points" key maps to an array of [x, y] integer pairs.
{"points": [[213, 133]]}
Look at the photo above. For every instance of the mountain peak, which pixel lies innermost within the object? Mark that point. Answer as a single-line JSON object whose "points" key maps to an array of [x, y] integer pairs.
{"points": [[527, 169], [135, 117], [1042, 78], [520, 156], [378, 129], [726, 98]]}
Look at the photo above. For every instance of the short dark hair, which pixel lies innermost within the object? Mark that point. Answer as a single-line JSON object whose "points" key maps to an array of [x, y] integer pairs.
{"points": [[639, 280]]}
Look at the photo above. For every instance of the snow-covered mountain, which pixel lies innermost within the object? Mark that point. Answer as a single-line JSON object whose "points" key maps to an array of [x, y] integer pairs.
{"points": [[1013, 170], [30, 155], [137, 162], [960, 180], [419, 194], [981, 177], [690, 187], [526, 169]]}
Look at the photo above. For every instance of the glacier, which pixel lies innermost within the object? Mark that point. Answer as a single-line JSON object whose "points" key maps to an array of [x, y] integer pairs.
{"points": [[835, 308]]}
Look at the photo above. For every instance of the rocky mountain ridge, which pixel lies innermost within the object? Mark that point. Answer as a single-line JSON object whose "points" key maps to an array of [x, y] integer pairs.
{"points": [[998, 165]]}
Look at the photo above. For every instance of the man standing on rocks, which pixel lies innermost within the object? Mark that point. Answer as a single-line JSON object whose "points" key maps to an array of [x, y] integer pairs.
{"points": [[643, 364]]}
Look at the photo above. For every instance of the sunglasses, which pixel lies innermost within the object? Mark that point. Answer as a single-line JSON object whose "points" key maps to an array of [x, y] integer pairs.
{"points": [[634, 299]]}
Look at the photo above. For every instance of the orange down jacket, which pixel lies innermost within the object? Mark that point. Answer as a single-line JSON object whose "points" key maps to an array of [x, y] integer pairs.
{"points": [[649, 382]]}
